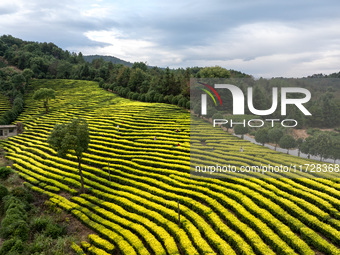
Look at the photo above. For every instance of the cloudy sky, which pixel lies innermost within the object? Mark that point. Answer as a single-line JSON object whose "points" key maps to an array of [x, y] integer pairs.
{"points": [[268, 38]]}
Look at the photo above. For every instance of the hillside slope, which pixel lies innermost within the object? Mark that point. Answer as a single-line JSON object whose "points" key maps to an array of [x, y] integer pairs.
{"points": [[137, 183], [113, 60]]}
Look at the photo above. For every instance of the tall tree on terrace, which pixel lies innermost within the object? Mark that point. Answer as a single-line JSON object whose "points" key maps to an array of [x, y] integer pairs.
{"points": [[28, 74], [261, 136], [241, 130], [274, 135], [287, 142], [309, 146], [72, 137], [335, 150], [324, 145], [299, 143], [44, 94]]}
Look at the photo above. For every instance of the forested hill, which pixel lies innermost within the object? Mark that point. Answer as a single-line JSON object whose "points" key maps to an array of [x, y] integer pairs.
{"points": [[138, 82], [20, 60], [111, 59], [320, 75]]}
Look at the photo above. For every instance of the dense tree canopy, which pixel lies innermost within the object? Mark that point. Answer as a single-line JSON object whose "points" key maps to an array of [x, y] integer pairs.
{"points": [[261, 136], [287, 142], [72, 137], [44, 94], [274, 135]]}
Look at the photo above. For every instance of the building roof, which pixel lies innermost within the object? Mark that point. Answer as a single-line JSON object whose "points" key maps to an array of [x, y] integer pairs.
{"points": [[8, 126]]}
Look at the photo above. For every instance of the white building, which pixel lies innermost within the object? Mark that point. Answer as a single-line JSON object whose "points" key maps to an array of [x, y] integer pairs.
{"points": [[8, 130]]}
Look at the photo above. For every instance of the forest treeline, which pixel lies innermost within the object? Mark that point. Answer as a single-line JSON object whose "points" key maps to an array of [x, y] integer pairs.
{"points": [[139, 82], [20, 60]]}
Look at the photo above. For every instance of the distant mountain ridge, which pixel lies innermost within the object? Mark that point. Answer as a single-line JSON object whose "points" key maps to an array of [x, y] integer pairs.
{"points": [[114, 60]]}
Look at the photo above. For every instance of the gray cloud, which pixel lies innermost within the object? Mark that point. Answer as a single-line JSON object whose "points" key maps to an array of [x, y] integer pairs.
{"points": [[263, 37], [7, 9]]}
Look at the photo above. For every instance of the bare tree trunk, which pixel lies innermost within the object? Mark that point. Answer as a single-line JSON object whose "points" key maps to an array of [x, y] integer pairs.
{"points": [[275, 146], [81, 175]]}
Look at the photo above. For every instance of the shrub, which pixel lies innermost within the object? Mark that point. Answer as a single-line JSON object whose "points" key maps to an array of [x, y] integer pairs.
{"points": [[11, 202], [40, 223], [14, 223], [21, 230], [253, 132], [188, 105], [175, 100], [5, 172], [16, 212], [217, 115], [160, 98], [312, 131], [141, 97], [113, 87], [211, 111], [149, 96], [168, 99], [3, 191], [12, 246], [182, 102], [125, 92], [135, 96], [40, 243], [155, 97], [23, 194], [129, 94], [197, 109], [55, 230], [14, 226], [101, 82]]}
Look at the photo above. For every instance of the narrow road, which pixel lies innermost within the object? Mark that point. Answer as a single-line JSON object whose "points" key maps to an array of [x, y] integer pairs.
{"points": [[291, 152]]}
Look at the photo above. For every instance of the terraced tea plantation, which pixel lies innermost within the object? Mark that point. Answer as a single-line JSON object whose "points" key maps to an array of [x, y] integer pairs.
{"points": [[136, 183], [5, 105]]}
